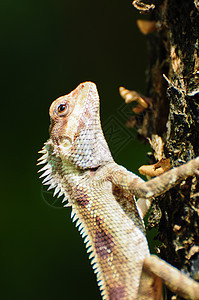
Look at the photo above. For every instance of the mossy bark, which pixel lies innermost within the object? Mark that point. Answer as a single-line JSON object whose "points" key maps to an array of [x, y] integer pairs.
{"points": [[174, 52]]}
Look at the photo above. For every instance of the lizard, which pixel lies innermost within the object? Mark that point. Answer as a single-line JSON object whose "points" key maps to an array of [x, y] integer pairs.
{"points": [[108, 202]]}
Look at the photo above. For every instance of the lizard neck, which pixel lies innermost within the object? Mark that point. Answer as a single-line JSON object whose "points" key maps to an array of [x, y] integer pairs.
{"points": [[89, 148]]}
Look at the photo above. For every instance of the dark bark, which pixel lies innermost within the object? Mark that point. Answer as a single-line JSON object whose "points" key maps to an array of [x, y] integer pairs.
{"points": [[174, 52]]}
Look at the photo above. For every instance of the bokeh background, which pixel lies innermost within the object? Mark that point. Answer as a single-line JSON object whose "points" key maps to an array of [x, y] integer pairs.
{"points": [[47, 49]]}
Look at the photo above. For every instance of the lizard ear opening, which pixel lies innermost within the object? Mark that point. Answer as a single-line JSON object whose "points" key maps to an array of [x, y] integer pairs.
{"points": [[66, 143]]}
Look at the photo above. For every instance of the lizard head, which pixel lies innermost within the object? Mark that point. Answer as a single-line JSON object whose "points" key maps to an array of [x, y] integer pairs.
{"points": [[75, 128], [65, 115]]}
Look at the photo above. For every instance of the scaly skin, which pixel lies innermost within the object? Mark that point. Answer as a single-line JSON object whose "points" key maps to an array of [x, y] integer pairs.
{"points": [[78, 164]]}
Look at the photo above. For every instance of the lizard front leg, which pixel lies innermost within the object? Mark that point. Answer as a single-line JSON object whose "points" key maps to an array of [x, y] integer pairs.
{"points": [[144, 191]]}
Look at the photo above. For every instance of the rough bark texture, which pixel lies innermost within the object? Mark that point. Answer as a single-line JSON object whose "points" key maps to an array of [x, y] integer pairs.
{"points": [[174, 52]]}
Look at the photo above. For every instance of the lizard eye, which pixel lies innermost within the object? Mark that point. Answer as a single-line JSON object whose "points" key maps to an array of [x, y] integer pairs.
{"points": [[63, 109]]}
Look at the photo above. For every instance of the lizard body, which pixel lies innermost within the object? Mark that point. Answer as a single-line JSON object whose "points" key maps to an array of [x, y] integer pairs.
{"points": [[78, 164]]}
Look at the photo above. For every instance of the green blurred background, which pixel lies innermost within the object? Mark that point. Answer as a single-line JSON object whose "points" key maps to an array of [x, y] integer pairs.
{"points": [[47, 49]]}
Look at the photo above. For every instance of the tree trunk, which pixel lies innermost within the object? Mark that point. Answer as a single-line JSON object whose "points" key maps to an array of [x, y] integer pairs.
{"points": [[174, 116]]}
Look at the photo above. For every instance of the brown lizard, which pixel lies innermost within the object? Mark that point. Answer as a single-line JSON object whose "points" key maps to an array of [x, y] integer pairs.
{"points": [[78, 164]]}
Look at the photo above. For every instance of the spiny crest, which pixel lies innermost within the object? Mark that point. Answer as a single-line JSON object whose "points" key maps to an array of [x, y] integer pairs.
{"points": [[50, 176], [89, 248], [54, 182]]}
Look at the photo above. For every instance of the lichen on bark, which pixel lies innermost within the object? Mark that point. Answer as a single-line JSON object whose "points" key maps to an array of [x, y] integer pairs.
{"points": [[173, 84]]}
